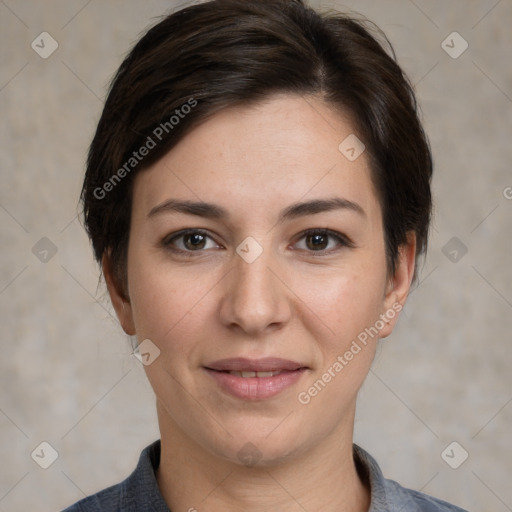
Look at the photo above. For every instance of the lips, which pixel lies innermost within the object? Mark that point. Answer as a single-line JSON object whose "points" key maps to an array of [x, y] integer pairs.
{"points": [[248, 374], [255, 379], [241, 364]]}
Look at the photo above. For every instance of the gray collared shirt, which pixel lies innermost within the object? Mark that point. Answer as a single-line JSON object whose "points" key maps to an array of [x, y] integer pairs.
{"points": [[140, 492]]}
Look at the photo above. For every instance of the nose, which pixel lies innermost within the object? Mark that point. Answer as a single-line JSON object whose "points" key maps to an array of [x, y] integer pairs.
{"points": [[255, 301]]}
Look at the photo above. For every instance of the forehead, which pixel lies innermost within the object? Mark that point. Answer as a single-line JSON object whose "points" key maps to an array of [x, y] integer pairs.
{"points": [[262, 157]]}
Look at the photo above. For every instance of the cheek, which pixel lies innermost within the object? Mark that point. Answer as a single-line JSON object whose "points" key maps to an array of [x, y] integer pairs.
{"points": [[168, 304], [154, 303], [343, 314], [343, 303]]}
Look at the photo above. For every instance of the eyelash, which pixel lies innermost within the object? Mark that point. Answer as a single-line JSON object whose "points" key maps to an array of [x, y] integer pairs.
{"points": [[343, 241]]}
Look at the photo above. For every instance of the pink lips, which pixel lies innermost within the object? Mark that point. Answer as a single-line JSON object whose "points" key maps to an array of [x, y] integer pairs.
{"points": [[255, 379]]}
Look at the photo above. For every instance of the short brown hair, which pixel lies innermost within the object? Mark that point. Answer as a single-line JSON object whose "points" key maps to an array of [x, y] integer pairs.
{"points": [[224, 53]]}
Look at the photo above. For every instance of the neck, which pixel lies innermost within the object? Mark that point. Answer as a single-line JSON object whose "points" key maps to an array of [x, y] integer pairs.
{"points": [[193, 479]]}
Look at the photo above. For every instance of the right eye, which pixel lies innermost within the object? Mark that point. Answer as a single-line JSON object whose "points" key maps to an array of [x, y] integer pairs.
{"points": [[189, 240]]}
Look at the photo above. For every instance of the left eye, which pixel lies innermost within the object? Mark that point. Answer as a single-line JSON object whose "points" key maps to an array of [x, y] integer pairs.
{"points": [[321, 240]]}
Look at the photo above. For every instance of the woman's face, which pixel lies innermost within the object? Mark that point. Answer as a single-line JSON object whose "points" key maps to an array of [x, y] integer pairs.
{"points": [[256, 245]]}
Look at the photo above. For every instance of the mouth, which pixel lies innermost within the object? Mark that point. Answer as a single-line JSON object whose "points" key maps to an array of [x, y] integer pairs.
{"points": [[249, 374], [255, 379]]}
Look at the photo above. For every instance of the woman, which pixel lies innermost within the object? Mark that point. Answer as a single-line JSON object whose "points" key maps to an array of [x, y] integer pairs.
{"points": [[258, 194]]}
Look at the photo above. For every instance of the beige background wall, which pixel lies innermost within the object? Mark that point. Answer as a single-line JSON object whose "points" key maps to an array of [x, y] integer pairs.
{"points": [[67, 374]]}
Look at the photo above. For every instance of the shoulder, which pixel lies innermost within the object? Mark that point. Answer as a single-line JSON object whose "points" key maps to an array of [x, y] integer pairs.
{"points": [[416, 500], [139, 492], [111, 498], [389, 495]]}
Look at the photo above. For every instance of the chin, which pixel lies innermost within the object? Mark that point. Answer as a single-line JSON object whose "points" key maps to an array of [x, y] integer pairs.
{"points": [[260, 450]]}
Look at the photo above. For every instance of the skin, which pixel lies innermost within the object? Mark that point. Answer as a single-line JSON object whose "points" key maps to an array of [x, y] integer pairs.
{"points": [[293, 302]]}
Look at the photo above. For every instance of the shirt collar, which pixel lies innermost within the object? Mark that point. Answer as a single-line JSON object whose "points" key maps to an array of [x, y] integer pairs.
{"points": [[142, 487], [385, 494]]}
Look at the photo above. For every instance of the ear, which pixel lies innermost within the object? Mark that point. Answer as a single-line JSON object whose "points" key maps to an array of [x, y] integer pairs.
{"points": [[119, 298], [398, 285]]}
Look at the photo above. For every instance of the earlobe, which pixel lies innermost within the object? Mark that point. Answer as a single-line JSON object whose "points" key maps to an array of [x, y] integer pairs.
{"points": [[119, 299], [399, 284]]}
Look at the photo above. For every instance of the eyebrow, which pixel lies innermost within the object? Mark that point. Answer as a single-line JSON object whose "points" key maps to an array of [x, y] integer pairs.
{"points": [[213, 211]]}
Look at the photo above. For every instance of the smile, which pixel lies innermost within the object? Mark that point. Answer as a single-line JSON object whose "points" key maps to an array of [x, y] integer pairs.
{"points": [[256, 379], [260, 375]]}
